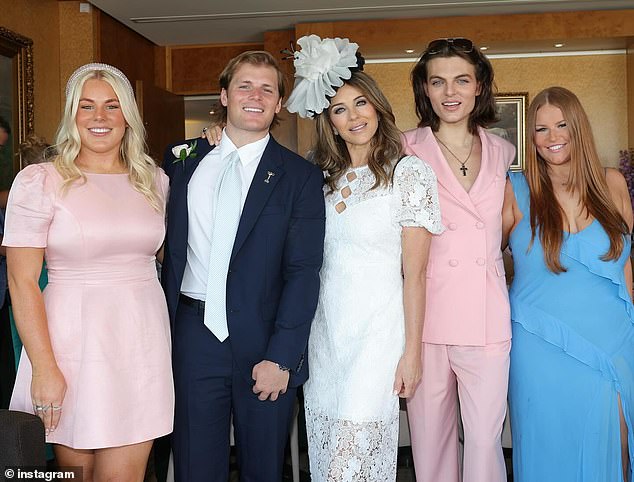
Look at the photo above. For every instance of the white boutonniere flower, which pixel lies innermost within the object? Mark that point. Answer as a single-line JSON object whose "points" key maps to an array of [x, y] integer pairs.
{"points": [[183, 151]]}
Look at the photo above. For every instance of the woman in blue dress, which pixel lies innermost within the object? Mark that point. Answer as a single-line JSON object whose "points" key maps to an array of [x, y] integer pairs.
{"points": [[572, 361]]}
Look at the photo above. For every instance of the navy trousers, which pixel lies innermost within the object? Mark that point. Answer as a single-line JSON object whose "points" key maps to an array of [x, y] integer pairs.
{"points": [[209, 391]]}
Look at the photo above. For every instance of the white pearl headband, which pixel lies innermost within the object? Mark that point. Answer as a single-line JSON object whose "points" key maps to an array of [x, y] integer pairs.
{"points": [[98, 67]]}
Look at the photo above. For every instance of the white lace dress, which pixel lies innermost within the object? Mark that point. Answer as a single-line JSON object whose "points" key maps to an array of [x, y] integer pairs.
{"points": [[358, 335]]}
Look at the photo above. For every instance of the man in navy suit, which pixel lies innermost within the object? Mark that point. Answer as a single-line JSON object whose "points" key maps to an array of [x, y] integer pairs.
{"points": [[248, 361]]}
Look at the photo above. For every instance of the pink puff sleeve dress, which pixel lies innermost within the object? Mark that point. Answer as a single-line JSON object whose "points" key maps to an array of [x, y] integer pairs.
{"points": [[106, 313]]}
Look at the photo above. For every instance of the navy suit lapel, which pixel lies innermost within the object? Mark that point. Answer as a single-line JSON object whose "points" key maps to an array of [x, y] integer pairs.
{"points": [[177, 218], [267, 175]]}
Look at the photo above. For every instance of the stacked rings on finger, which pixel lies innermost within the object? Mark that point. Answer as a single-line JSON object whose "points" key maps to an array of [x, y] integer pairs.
{"points": [[44, 408]]}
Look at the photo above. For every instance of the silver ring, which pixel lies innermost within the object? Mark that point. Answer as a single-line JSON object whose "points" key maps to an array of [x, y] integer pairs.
{"points": [[56, 407]]}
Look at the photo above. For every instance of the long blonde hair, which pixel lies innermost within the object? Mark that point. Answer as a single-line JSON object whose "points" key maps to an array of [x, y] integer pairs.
{"points": [[587, 178], [133, 151]]}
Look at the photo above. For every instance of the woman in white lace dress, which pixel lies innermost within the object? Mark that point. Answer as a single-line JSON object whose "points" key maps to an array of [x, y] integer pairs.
{"points": [[381, 211]]}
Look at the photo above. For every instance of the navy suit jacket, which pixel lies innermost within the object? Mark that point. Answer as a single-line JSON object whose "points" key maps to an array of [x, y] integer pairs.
{"points": [[273, 279]]}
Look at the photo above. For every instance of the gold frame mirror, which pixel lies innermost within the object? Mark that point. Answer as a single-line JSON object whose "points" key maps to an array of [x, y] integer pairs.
{"points": [[16, 93]]}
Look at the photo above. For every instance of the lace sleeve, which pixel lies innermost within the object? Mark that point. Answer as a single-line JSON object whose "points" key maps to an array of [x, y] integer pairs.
{"points": [[416, 202]]}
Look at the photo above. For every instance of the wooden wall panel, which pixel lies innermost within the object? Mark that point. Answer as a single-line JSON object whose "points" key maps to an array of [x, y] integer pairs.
{"points": [[141, 61], [286, 132], [379, 36], [275, 42], [163, 116], [161, 68], [195, 69], [125, 49]]}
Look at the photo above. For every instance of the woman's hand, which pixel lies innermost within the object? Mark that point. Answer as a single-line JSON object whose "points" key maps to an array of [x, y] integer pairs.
{"points": [[408, 374], [415, 242], [48, 389], [48, 386], [213, 134]]}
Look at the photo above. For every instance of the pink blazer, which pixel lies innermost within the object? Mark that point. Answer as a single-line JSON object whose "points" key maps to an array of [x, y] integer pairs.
{"points": [[467, 299]]}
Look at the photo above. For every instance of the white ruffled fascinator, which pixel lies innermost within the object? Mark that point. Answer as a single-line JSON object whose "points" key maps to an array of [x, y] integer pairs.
{"points": [[320, 66]]}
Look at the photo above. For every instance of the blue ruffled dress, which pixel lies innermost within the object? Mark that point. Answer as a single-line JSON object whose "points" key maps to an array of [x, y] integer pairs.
{"points": [[572, 355]]}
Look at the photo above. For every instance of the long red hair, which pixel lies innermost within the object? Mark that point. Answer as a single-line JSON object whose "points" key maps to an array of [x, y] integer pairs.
{"points": [[587, 178]]}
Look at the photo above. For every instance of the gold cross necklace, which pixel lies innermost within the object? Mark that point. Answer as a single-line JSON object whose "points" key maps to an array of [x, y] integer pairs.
{"points": [[463, 168]]}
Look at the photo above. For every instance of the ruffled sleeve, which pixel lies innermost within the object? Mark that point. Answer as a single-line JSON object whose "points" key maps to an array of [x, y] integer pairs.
{"points": [[417, 195], [30, 208]]}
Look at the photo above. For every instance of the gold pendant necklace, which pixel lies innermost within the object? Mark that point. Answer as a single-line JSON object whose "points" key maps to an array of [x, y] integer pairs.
{"points": [[463, 168]]}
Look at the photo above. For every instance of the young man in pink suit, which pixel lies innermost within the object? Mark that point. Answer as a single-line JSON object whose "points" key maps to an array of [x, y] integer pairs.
{"points": [[466, 336]]}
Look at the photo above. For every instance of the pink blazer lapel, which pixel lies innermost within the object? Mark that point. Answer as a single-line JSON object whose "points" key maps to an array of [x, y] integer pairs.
{"points": [[426, 147], [488, 166]]}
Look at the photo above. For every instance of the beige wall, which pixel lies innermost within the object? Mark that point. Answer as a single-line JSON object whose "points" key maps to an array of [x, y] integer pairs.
{"points": [[39, 20], [382, 38], [630, 90], [77, 42], [54, 27], [65, 38], [598, 80]]}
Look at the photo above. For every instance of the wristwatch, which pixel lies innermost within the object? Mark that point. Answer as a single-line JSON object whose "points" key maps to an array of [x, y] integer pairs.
{"points": [[283, 368]]}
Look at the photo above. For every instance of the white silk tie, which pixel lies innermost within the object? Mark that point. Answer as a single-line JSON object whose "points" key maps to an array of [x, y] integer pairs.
{"points": [[227, 208]]}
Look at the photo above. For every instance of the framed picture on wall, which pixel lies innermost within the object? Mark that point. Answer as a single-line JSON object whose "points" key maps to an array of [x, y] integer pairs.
{"points": [[511, 108], [16, 98]]}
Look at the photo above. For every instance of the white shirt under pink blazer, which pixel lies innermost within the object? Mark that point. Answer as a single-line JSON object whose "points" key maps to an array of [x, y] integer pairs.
{"points": [[467, 298]]}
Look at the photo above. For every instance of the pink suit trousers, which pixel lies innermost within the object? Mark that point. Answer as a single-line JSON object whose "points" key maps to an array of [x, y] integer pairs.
{"points": [[481, 376]]}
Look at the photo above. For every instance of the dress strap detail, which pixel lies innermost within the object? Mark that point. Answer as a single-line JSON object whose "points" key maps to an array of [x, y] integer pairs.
{"points": [[522, 194]]}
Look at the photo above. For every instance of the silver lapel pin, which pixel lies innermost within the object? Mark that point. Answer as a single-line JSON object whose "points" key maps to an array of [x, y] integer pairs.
{"points": [[269, 175]]}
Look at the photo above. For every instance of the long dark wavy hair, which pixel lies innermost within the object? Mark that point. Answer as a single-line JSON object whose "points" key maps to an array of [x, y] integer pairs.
{"points": [[587, 178], [330, 152], [484, 112]]}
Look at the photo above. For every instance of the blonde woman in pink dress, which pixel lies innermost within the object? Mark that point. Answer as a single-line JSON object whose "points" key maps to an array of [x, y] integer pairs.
{"points": [[97, 364]]}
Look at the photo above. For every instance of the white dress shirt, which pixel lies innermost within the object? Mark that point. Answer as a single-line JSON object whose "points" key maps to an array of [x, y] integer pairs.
{"points": [[200, 207]]}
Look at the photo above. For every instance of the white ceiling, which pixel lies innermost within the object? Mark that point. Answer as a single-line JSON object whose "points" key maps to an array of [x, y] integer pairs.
{"points": [[178, 22]]}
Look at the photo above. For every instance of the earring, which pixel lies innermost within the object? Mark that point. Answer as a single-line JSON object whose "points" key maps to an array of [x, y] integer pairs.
{"points": [[335, 132]]}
